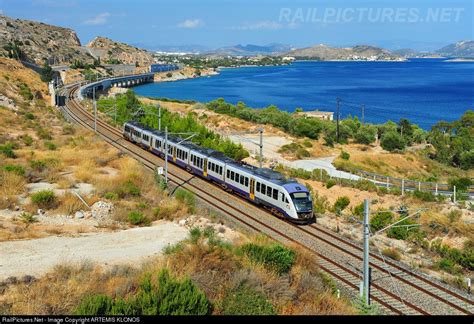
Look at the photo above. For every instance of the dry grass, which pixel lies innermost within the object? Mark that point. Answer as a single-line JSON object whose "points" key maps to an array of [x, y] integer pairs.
{"points": [[69, 204], [11, 184]]}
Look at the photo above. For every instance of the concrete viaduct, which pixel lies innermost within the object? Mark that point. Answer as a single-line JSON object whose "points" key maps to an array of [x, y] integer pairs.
{"points": [[86, 91]]}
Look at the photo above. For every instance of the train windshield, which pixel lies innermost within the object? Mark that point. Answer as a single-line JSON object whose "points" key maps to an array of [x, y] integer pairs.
{"points": [[302, 201]]}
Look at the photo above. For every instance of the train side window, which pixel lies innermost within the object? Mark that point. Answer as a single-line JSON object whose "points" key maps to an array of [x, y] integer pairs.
{"points": [[258, 186], [286, 200], [228, 174], [275, 194], [242, 180], [282, 197], [246, 181], [264, 188], [232, 175], [269, 191], [236, 177]]}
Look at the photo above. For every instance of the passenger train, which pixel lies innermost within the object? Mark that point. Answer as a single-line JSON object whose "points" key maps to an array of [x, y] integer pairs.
{"points": [[285, 198]]}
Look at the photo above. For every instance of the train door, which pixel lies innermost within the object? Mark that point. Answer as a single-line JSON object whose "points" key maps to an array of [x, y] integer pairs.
{"points": [[174, 153], [204, 169], [252, 188]]}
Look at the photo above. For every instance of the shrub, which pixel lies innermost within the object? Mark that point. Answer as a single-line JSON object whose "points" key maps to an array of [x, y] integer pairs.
{"points": [[462, 184], [128, 188], [274, 257], [44, 134], [401, 231], [28, 218], [38, 165], [136, 218], [111, 196], [366, 185], [448, 266], [7, 151], [467, 160], [95, 305], [186, 197], [17, 169], [345, 156], [320, 204], [331, 183], [302, 153], [380, 220], [29, 116], [50, 146], [365, 135], [454, 216], [341, 204], [359, 211], [28, 140], [392, 141], [45, 199], [392, 253], [307, 144], [246, 301], [164, 296], [424, 195]]}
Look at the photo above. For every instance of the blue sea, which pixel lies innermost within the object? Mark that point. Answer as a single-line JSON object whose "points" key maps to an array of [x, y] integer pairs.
{"points": [[423, 90]]}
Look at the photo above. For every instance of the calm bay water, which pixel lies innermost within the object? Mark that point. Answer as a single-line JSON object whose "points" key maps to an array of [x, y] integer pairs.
{"points": [[422, 90]]}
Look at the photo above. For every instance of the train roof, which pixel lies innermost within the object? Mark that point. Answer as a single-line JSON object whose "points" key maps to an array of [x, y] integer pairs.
{"points": [[265, 173], [268, 174]]}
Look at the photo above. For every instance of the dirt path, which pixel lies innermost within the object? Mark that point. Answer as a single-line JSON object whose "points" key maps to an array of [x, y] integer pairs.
{"points": [[36, 257]]}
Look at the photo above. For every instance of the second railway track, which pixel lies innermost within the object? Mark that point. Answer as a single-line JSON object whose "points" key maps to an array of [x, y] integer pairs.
{"points": [[396, 288]]}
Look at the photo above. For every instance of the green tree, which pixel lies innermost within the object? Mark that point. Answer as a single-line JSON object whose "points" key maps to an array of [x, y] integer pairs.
{"points": [[47, 72], [392, 141], [365, 135]]}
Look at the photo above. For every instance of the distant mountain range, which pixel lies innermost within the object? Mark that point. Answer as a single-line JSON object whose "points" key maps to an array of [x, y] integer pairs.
{"points": [[464, 49], [250, 50], [357, 53]]}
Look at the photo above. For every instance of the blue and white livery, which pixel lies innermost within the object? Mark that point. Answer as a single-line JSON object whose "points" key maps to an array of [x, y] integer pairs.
{"points": [[283, 197]]}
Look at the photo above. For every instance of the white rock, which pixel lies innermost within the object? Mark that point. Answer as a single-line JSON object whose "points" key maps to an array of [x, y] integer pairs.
{"points": [[182, 222], [79, 215]]}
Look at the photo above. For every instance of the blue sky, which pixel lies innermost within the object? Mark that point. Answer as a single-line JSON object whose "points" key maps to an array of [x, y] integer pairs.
{"points": [[421, 24]]}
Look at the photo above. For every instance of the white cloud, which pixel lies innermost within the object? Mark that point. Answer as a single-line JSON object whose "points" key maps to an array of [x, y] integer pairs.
{"points": [[191, 23], [100, 19]]}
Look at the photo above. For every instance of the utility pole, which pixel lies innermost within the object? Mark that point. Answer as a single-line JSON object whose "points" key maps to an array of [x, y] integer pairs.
{"points": [[166, 155], [159, 116], [95, 111], [366, 270], [363, 111], [338, 102], [115, 107], [261, 147]]}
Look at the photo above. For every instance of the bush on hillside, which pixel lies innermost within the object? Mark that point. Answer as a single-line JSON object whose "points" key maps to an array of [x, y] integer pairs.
{"points": [[341, 204], [163, 296], [274, 257], [186, 197], [392, 141], [380, 220], [45, 199], [246, 301]]}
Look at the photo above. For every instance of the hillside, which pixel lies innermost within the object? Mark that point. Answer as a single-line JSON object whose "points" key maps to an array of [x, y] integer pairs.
{"points": [[108, 50], [39, 41], [360, 52], [250, 50], [464, 49]]}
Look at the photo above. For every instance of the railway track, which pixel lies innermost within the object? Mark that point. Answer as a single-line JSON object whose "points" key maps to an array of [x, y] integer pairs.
{"points": [[397, 289]]}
